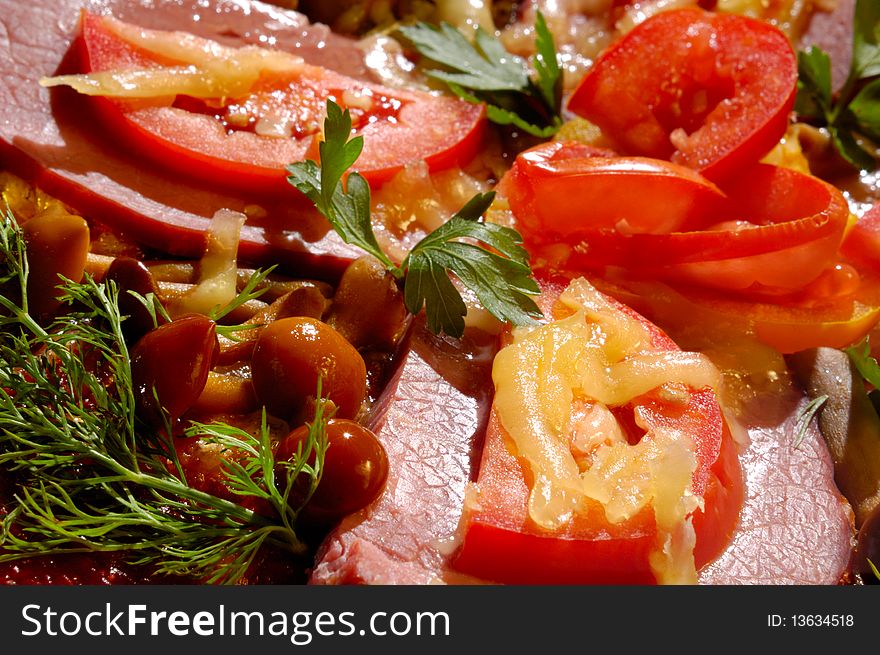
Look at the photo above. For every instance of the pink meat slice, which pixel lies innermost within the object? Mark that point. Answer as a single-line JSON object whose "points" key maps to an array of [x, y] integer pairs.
{"points": [[833, 32], [432, 433], [53, 140], [795, 527]]}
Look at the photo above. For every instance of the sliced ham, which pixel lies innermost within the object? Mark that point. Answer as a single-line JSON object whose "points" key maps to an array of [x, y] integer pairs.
{"points": [[53, 141], [832, 31], [432, 432], [795, 527]]}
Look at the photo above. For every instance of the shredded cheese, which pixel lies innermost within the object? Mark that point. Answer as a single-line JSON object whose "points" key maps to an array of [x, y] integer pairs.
{"points": [[203, 68], [218, 269], [554, 387]]}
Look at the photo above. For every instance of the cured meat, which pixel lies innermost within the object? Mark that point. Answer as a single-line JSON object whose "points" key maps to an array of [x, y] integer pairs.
{"points": [[53, 141], [432, 433], [795, 527], [832, 31]]}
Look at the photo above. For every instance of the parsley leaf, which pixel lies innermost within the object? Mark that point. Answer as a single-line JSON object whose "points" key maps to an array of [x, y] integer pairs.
{"points": [[855, 111], [502, 282], [546, 65], [866, 109], [866, 39], [867, 366], [347, 209], [498, 274], [484, 67], [485, 72], [814, 84]]}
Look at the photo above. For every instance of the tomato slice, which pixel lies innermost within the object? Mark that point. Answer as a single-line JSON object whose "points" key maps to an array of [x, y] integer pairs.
{"points": [[788, 327], [862, 243], [794, 225], [560, 189], [777, 231], [501, 543], [216, 139], [709, 91]]}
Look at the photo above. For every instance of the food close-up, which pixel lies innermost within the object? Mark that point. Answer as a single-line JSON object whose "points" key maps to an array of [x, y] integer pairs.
{"points": [[440, 292]]}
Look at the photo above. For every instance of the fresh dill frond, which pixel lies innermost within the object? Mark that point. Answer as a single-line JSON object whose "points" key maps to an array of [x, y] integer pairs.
{"points": [[253, 289], [88, 475]]}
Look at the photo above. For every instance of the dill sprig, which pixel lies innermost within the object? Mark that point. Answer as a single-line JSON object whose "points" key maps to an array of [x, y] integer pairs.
{"points": [[253, 289], [90, 476]]}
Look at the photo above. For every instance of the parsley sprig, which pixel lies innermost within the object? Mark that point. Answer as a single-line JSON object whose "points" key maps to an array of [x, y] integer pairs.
{"points": [[855, 109], [867, 366], [497, 271], [90, 477], [485, 72]]}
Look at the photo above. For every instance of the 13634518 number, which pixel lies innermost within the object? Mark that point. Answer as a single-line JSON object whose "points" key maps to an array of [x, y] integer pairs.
{"points": [[821, 620]]}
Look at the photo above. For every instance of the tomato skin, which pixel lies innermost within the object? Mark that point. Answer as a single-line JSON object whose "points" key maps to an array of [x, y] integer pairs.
{"points": [[495, 546], [498, 538], [787, 327], [709, 91], [862, 243], [408, 126], [501, 546], [631, 194], [795, 226]]}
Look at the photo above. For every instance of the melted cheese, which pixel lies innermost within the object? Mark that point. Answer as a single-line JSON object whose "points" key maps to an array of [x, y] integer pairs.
{"points": [[218, 269], [554, 387], [465, 14], [205, 69]]}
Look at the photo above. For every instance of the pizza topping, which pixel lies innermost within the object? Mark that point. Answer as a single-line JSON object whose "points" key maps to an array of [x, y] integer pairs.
{"points": [[498, 272], [204, 69], [599, 358]]}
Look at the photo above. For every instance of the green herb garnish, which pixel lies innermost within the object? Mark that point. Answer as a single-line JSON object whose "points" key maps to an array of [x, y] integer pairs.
{"points": [[805, 417], [499, 275], [867, 366], [855, 110], [253, 289], [485, 72], [89, 476]]}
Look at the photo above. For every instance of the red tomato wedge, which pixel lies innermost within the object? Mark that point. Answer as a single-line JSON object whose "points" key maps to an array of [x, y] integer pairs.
{"points": [[709, 91], [501, 543], [788, 327], [862, 243], [217, 139], [560, 189], [787, 231], [777, 230]]}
